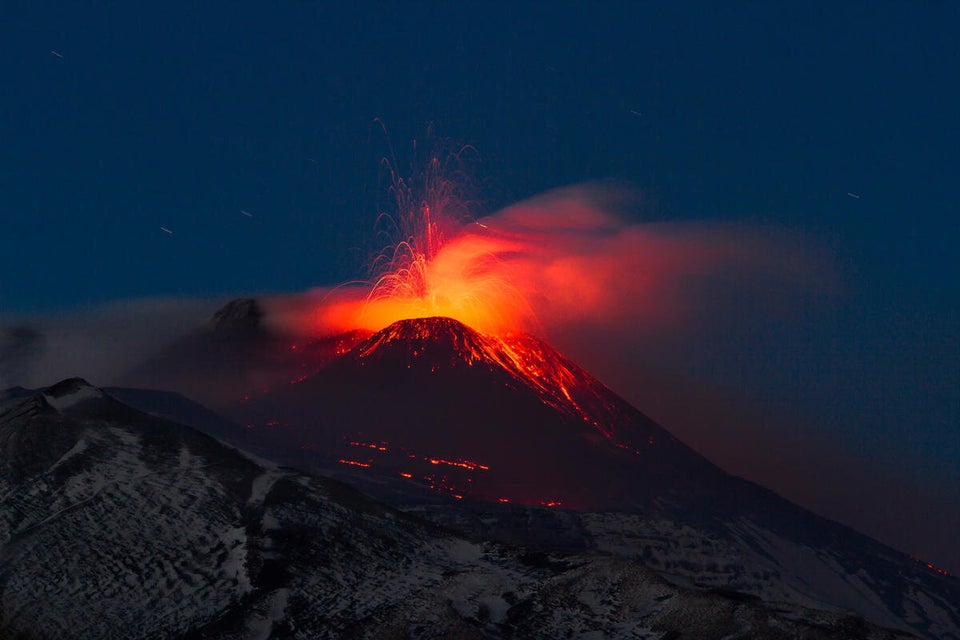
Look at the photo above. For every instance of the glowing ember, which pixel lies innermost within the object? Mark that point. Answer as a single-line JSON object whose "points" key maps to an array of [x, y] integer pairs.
{"points": [[434, 266], [368, 445], [930, 566], [464, 464], [354, 463], [424, 275], [460, 281]]}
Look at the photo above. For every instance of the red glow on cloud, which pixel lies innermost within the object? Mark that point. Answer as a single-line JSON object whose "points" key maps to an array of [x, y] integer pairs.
{"points": [[549, 265]]}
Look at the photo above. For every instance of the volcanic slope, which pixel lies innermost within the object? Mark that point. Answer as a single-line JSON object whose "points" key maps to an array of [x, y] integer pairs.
{"points": [[115, 524], [499, 419], [501, 424]]}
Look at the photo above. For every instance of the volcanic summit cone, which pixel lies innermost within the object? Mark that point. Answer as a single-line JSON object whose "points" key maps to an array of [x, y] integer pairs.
{"points": [[494, 418]]}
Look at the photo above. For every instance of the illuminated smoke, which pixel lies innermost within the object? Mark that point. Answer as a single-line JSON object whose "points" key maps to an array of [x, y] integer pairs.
{"points": [[99, 343], [567, 259]]}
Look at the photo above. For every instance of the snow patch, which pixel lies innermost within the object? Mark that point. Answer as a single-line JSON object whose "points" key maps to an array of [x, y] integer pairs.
{"points": [[82, 393], [817, 575], [261, 628], [261, 487], [235, 565], [933, 610], [75, 450], [465, 552]]}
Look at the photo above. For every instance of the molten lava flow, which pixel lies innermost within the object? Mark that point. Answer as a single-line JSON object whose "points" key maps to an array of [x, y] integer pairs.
{"points": [[354, 463], [463, 464], [369, 445], [930, 566]]}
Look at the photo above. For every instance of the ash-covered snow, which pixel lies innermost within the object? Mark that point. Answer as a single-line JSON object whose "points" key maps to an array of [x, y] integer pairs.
{"points": [[70, 393], [139, 528]]}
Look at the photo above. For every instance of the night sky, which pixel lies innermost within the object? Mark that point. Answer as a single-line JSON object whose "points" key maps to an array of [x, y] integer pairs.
{"points": [[835, 122]]}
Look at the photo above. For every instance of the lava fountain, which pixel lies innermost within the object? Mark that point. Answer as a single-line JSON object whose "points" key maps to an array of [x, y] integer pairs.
{"points": [[571, 262], [442, 262]]}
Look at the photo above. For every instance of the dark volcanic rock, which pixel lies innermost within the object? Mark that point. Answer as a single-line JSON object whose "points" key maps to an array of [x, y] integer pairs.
{"points": [[233, 355], [241, 317]]}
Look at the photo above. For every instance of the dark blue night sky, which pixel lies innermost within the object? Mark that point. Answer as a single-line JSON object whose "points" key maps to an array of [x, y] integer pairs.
{"points": [[181, 116]]}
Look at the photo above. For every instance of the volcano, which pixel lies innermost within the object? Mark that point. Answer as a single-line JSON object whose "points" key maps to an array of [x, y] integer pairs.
{"points": [[503, 438], [501, 419], [499, 439]]}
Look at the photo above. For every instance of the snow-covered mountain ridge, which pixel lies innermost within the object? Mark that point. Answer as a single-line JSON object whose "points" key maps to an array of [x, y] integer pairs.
{"points": [[116, 524]]}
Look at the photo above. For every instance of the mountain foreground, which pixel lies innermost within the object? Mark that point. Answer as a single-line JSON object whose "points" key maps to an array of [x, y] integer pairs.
{"points": [[118, 524]]}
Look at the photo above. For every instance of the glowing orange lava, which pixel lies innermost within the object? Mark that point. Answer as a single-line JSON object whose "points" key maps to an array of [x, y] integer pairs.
{"points": [[930, 566], [463, 464], [354, 463], [460, 281], [441, 263]]}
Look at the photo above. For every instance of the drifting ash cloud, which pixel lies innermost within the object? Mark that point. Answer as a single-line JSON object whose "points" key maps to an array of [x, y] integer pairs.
{"points": [[99, 344], [570, 262]]}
